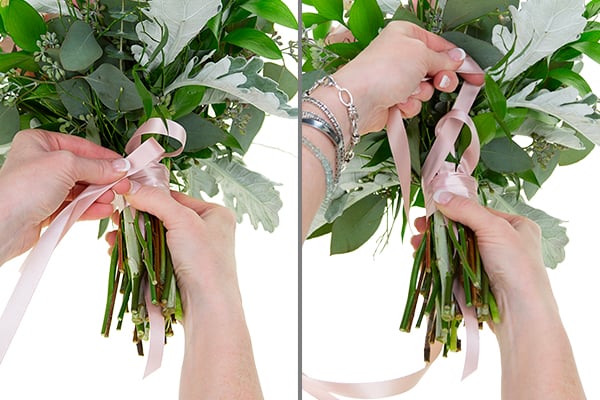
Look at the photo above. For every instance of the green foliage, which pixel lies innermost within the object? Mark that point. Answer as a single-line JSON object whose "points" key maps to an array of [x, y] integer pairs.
{"points": [[24, 24], [504, 155], [365, 20], [100, 69], [357, 224]]}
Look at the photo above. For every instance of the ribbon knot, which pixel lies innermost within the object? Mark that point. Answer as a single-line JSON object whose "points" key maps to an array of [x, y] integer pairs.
{"points": [[145, 168]]}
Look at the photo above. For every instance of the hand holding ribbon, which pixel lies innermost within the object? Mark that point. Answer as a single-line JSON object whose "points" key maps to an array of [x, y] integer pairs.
{"points": [[148, 154]]}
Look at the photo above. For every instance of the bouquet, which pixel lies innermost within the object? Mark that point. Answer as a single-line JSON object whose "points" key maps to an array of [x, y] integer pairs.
{"points": [[105, 69], [535, 113]]}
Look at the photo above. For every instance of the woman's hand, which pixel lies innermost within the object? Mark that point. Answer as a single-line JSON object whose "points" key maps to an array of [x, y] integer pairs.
{"points": [[43, 171]]}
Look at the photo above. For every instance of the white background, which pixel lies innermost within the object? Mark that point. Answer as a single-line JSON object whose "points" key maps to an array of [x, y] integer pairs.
{"points": [[58, 351], [352, 304]]}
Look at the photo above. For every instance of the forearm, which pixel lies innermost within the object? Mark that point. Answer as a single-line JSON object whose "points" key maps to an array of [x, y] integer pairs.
{"points": [[537, 360], [218, 361]]}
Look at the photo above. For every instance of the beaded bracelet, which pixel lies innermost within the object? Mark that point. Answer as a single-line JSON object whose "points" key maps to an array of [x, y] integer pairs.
{"points": [[316, 122], [347, 101], [330, 182]]}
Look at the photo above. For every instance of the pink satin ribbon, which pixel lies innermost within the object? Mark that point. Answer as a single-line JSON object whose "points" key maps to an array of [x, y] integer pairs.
{"points": [[145, 168], [436, 175]]}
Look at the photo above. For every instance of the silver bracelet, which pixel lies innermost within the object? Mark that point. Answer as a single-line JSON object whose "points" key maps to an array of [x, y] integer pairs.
{"points": [[330, 182], [347, 101], [316, 122]]}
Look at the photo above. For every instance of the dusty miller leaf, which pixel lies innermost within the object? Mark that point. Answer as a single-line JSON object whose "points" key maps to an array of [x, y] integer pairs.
{"points": [[237, 79], [562, 104], [198, 181], [540, 27], [554, 236], [181, 19], [389, 6], [246, 192], [49, 6], [561, 135]]}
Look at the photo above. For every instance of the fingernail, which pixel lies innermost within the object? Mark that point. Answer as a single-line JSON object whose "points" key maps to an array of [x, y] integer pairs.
{"points": [[444, 82], [417, 91], [134, 187], [121, 165], [442, 197], [457, 54]]}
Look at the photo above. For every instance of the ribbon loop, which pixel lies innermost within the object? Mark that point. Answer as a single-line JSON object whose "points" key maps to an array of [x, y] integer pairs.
{"points": [[141, 156]]}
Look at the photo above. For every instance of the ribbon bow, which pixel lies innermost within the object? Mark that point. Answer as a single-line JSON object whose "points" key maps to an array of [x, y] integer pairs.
{"points": [[145, 168], [437, 174]]}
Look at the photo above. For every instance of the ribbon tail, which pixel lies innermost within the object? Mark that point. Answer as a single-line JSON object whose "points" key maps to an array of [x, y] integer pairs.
{"points": [[472, 325], [398, 140], [157, 335]]}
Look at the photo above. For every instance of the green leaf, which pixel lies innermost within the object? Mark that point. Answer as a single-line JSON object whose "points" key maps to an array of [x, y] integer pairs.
{"points": [[272, 10], [458, 12], [486, 127], [186, 99], [504, 155], [256, 41], [542, 173], [330, 9], [484, 53], [357, 224], [80, 50], [201, 133], [76, 97], [23, 23], [590, 49], [571, 78], [323, 230], [404, 14], [246, 192], [321, 31], [113, 88], [18, 59], [554, 236], [102, 226], [9, 123], [245, 127], [146, 96], [310, 19], [285, 79], [346, 50], [592, 8], [365, 19], [495, 97]]}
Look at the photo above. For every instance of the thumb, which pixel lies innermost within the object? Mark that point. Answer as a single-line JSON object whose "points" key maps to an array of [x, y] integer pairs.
{"points": [[464, 210], [96, 171], [159, 203]]}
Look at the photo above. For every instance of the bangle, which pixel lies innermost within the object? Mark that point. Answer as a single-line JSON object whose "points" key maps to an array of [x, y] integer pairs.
{"points": [[330, 183], [347, 101], [316, 122]]}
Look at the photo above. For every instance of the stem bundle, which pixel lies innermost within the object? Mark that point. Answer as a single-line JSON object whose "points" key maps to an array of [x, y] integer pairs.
{"points": [[448, 254]]}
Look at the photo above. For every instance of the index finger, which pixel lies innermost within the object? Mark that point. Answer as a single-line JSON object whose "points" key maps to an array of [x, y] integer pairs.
{"points": [[76, 145]]}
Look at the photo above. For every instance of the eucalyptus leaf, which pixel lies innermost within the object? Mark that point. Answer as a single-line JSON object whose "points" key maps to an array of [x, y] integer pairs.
{"points": [[504, 155], [540, 27], [246, 192], [554, 236], [459, 12], [570, 156], [562, 104], [181, 19], [76, 96], [552, 133], [201, 133], [365, 20], [238, 79], [485, 54], [113, 88], [404, 14], [80, 49], [23, 23], [542, 173], [9, 123], [246, 125], [272, 10], [254, 40], [357, 224], [186, 99]]}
